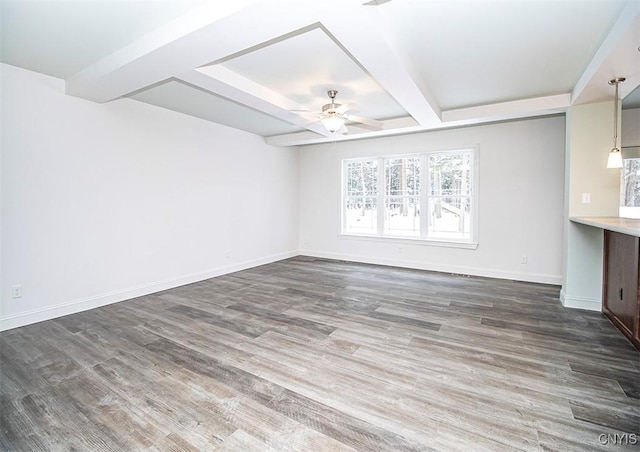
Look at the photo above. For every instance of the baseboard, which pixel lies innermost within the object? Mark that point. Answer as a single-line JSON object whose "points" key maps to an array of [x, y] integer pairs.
{"points": [[72, 307], [457, 269], [590, 304]]}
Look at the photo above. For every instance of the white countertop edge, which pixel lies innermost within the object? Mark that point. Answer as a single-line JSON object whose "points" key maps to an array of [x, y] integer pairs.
{"points": [[627, 226]]}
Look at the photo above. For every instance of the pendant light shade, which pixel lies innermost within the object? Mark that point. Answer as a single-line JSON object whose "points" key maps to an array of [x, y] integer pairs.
{"points": [[615, 156], [615, 159]]}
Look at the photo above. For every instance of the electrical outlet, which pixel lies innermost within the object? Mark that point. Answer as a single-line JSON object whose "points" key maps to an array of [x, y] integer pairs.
{"points": [[16, 291], [586, 198], [524, 259], [228, 254], [399, 250]]}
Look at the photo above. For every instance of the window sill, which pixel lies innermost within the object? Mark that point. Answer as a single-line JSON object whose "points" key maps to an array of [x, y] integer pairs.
{"points": [[412, 240]]}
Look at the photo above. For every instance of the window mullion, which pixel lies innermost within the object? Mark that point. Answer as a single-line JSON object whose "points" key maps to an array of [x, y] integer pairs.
{"points": [[381, 195], [344, 196], [424, 202]]}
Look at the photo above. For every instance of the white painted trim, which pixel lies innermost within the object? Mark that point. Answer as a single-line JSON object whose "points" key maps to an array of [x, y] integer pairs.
{"points": [[590, 304], [189, 41], [74, 306], [502, 110], [226, 83], [457, 269], [359, 34], [410, 240], [309, 138]]}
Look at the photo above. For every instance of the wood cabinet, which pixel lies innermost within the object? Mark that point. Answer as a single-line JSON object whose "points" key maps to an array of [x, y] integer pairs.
{"points": [[621, 290]]}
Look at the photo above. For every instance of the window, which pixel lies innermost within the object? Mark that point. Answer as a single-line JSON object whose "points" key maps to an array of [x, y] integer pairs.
{"points": [[361, 196], [630, 183], [402, 196], [449, 197], [422, 196]]}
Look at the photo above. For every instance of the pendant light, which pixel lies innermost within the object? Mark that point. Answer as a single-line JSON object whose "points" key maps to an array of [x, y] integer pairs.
{"points": [[615, 156]]}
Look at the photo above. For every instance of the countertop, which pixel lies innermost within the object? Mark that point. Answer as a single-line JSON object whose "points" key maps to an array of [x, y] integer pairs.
{"points": [[628, 226]]}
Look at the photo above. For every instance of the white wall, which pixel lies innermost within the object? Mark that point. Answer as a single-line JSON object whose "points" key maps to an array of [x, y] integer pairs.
{"points": [[630, 125], [589, 140], [101, 203], [521, 186]]}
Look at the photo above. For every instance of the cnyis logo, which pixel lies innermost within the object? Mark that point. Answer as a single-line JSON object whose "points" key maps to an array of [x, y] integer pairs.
{"points": [[618, 439]]}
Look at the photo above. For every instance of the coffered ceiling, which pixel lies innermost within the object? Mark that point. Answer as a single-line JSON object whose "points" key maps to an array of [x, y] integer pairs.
{"points": [[265, 66]]}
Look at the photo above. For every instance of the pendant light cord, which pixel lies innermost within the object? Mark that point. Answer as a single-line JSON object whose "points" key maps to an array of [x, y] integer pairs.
{"points": [[616, 82], [615, 118]]}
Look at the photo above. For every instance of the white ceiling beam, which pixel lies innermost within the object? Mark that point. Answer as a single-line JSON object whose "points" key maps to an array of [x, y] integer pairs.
{"points": [[230, 85], [363, 38], [193, 40], [396, 126], [526, 108], [503, 110], [617, 56]]}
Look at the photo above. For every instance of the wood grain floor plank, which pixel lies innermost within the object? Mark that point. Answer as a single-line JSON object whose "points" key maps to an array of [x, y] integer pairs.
{"points": [[316, 354], [168, 404], [336, 424], [606, 417]]}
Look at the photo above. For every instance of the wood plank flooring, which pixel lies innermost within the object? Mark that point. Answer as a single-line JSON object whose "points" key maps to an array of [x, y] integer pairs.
{"points": [[311, 354]]}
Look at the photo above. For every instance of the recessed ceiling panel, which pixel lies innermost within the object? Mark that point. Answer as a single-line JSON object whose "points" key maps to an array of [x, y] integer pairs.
{"points": [[473, 53], [60, 38], [304, 67], [192, 101]]}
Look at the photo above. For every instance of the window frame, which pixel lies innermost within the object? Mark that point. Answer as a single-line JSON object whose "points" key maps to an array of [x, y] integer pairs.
{"points": [[425, 183], [624, 211]]}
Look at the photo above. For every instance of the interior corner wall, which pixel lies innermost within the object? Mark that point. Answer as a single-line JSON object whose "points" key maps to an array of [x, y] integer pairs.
{"points": [[589, 139], [521, 183], [105, 202]]}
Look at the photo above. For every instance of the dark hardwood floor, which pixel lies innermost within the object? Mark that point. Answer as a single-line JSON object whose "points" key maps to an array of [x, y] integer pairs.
{"points": [[316, 355]]}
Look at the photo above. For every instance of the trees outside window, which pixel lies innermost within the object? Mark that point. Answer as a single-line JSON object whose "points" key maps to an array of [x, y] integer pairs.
{"points": [[630, 188], [402, 196], [450, 194], [360, 196], [423, 196]]}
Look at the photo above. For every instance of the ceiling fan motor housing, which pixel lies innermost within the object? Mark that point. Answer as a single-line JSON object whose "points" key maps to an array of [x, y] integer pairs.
{"points": [[331, 108]]}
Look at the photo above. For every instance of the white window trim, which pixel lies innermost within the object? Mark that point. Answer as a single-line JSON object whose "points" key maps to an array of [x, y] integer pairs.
{"points": [[472, 243], [412, 240]]}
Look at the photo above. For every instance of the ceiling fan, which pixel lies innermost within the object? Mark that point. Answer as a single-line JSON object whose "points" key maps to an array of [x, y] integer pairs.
{"points": [[334, 116]]}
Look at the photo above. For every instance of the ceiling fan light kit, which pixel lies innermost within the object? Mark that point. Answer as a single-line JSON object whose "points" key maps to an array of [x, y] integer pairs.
{"points": [[333, 116], [330, 118], [332, 123]]}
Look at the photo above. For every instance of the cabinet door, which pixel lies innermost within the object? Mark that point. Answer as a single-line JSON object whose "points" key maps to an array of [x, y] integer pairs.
{"points": [[621, 280]]}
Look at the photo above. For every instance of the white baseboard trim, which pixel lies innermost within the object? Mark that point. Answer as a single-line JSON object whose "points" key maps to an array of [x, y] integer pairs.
{"points": [[72, 307], [457, 269], [590, 304]]}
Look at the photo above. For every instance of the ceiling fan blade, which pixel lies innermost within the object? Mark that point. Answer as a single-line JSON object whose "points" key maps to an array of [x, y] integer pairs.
{"points": [[368, 123], [375, 2], [311, 120], [308, 116], [345, 107]]}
